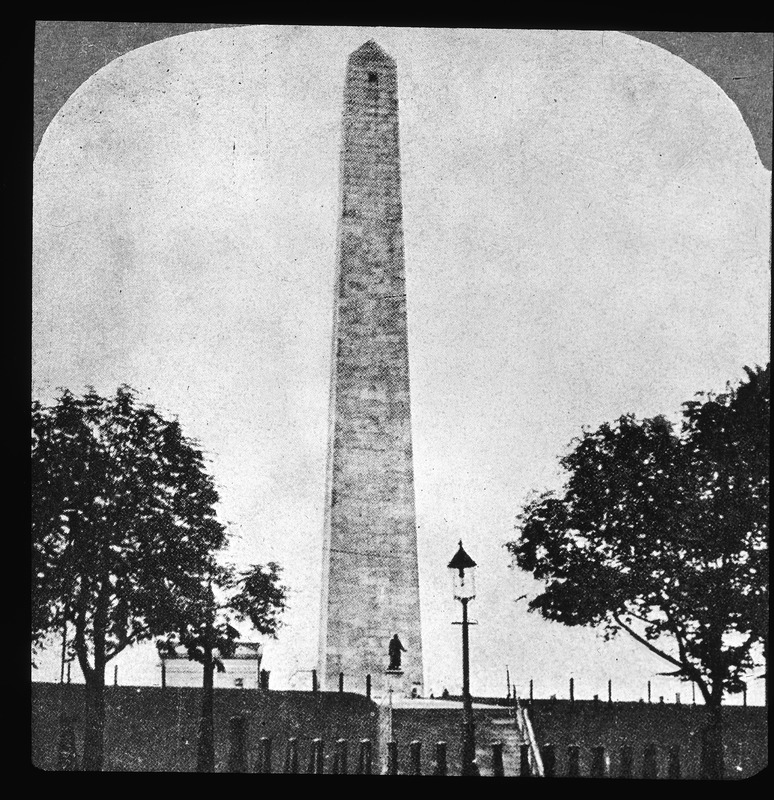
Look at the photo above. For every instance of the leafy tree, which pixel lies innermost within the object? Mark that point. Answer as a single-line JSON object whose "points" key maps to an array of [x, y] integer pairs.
{"points": [[123, 526], [206, 629], [664, 535]]}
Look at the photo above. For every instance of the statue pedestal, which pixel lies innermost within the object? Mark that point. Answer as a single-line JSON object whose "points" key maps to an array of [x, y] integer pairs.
{"points": [[397, 683]]}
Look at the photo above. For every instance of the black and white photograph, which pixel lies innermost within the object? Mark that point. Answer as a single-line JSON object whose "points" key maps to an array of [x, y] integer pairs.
{"points": [[400, 400]]}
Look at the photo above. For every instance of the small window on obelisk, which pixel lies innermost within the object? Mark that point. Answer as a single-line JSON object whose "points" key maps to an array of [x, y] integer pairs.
{"points": [[373, 77]]}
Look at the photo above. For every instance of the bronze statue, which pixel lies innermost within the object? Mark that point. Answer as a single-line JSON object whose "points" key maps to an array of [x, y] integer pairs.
{"points": [[395, 649]]}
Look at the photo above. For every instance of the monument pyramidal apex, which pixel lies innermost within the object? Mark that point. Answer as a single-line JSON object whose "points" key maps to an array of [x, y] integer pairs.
{"points": [[370, 582]]}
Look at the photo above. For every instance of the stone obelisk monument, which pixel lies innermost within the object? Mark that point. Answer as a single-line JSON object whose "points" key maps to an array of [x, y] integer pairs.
{"points": [[370, 586]]}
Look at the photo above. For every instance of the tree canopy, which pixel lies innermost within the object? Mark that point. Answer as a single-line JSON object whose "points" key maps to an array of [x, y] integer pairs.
{"points": [[123, 527], [206, 623], [663, 534], [206, 630]]}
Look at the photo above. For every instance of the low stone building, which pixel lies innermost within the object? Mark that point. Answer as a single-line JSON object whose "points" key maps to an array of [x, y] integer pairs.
{"points": [[242, 670]]}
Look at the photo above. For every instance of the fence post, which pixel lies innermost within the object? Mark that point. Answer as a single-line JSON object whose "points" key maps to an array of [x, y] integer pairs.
{"points": [[314, 680], [237, 758], [610, 691], [316, 757], [68, 755], [265, 673], [392, 758], [310, 768], [573, 761], [439, 766], [649, 692], [649, 762], [340, 757], [744, 694], [68, 672], [673, 770], [597, 762], [291, 756], [439, 762], [531, 693], [524, 769], [263, 764], [364, 761], [341, 681], [497, 759], [368, 686], [625, 769], [312, 755], [319, 764], [163, 673], [572, 690], [706, 770], [415, 757], [549, 760], [740, 765], [115, 675]]}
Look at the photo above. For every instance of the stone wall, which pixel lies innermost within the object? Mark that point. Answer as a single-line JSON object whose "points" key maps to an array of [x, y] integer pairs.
{"points": [[154, 729], [587, 724]]}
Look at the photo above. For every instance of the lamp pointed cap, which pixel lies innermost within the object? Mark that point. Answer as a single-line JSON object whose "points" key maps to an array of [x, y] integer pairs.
{"points": [[461, 559]]}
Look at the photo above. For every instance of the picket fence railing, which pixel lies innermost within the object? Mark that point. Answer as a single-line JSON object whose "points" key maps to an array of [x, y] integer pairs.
{"points": [[594, 762]]}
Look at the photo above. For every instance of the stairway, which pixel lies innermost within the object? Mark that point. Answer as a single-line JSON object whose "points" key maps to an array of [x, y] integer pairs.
{"points": [[432, 724], [499, 729]]}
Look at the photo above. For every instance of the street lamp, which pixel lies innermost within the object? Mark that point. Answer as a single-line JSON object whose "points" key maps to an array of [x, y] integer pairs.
{"points": [[463, 572]]}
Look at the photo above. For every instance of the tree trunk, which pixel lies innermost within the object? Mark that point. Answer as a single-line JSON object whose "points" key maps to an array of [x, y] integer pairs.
{"points": [[94, 738], [712, 755], [206, 753]]}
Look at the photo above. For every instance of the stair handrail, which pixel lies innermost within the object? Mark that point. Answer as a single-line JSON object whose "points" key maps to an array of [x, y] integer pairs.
{"points": [[524, 725]]}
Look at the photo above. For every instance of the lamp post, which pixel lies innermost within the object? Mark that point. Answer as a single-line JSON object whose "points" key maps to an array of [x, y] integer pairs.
{"points": [[463, 566]]}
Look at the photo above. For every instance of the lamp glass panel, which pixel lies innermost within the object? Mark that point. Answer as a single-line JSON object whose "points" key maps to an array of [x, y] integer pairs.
{"points": [[465, 584]]}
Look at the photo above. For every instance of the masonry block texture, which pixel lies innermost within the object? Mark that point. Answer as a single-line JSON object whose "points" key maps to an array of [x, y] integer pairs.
{"points": [[370, 585]]}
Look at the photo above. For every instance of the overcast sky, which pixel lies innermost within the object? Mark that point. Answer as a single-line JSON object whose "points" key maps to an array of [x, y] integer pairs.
{"points": [[586, 234]]}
